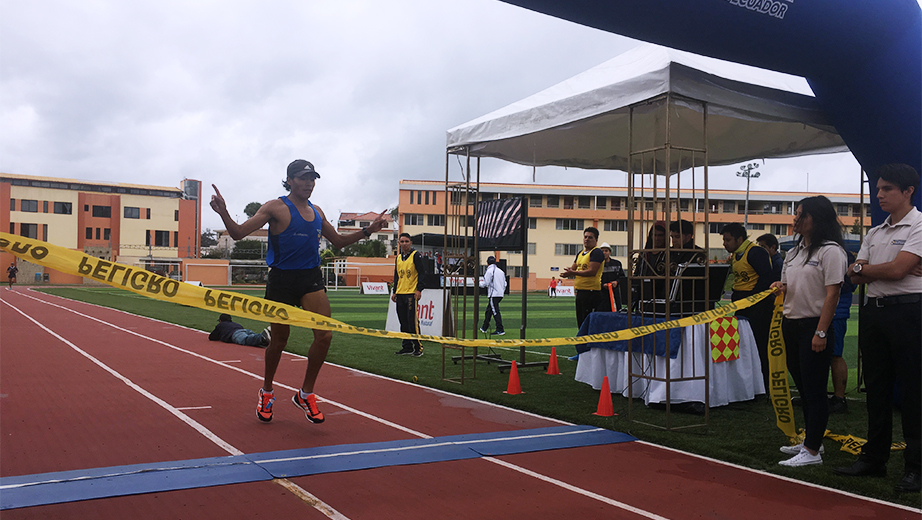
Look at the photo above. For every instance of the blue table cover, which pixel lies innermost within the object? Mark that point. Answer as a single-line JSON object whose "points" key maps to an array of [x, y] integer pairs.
{"points": [[601, 322]]}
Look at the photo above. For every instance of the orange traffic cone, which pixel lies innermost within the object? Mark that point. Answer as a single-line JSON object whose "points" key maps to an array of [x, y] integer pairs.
{"points": [[552, 368], [514, 387], [605, 408]]}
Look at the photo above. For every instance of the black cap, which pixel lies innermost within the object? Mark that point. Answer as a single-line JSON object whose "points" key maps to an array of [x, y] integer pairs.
{"points": [[224, 317], [491, 260], [302, 167]]}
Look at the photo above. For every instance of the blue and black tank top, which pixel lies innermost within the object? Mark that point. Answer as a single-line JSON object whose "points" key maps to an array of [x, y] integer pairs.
{"points": [[298, 247]]}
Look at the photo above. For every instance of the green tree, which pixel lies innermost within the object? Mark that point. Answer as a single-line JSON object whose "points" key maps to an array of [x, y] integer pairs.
{"points": [[366, 249], [327, 256], [856, 227], [252, 208], [208, 238], [248, 250]]}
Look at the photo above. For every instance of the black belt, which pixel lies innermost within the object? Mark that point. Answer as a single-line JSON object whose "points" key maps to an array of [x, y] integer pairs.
{"points": [[886, 301]]}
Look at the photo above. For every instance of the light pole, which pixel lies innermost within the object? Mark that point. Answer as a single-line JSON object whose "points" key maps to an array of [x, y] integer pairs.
{"points": [[746, 171]]}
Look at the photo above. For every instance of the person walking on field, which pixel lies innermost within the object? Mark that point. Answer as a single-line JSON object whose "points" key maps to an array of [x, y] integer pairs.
{"points": [[890, 328], [409, 272], [295, 228], [811, 279], [553, 287], [494, 279]]}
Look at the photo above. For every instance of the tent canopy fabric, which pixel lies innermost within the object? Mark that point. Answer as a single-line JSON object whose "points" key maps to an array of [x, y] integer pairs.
{"points": [[584, 121]]}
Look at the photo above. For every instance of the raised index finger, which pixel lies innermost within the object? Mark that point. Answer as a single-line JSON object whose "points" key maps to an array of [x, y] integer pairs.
{"points": [[217, 191]]}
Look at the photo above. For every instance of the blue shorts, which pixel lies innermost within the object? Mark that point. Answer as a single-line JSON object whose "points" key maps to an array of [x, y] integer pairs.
{"points": [[839, 325]]}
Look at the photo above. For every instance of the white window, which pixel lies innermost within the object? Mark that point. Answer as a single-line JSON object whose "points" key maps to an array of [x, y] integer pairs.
{"points": [[567, 249], [570, 224], [615, 225]]}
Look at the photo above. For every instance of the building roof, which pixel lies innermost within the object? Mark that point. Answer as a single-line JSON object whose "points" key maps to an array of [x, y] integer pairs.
{"points": [[555, 189], [371, 215], [76, 184]]}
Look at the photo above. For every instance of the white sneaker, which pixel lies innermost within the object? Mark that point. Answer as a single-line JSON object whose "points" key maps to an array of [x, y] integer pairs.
{"points": [[802, 459], [794, 450]]}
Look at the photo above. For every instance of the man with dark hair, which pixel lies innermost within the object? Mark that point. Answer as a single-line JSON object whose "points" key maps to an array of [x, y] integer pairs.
{"points": [[752, 274], [409, 271], [890, 332], [587, 274], [494, 280], [228, 331], [295, 228], [683, 244], [769, 242]]}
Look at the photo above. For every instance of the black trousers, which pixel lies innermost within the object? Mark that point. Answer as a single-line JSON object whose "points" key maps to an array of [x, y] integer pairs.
{"points": [[586, 302], [890, 339], [760, 321], [406, 314], [810, 371], [493, 312]]}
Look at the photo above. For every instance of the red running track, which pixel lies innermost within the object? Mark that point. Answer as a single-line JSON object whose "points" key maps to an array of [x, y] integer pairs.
{"points": [[189, 398]]}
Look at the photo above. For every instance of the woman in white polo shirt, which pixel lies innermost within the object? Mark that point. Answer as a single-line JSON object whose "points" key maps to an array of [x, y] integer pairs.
{"points": [[811, 277]]}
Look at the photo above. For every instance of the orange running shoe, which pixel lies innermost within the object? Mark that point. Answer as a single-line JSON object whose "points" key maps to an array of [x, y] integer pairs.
{"points": [[309, 406], [264, 406]]}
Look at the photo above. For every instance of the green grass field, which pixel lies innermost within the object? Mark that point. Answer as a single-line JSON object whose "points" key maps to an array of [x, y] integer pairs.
{"points": [[740, 433]]}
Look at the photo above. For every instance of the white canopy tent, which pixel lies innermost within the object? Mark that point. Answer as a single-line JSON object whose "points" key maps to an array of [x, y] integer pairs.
{"points": [[584, 122]]}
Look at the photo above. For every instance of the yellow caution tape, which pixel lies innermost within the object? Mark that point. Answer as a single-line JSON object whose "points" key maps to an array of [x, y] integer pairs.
{"points": [[852, 444], [146, 283], [778, 391]]}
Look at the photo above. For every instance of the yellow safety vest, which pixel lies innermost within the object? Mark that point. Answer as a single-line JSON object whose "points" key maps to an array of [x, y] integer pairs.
{"points": [[745, 276], [407, 277], [586, 283]]}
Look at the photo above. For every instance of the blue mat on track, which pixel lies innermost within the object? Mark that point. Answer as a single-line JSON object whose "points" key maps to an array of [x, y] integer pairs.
{"points": [[71, 486]]}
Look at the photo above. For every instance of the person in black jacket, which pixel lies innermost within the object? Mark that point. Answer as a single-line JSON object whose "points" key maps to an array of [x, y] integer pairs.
{"points": [[230, 332]]}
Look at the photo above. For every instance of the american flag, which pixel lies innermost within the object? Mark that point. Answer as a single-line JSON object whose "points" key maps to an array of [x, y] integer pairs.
{"points": [[501, 224]]}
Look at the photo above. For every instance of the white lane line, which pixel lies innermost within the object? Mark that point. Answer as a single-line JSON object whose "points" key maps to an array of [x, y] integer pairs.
{"points": [[163, 404], [306, 496], [375, 418], [577, 490], [240, 370], [193, 407], [448, 394]]}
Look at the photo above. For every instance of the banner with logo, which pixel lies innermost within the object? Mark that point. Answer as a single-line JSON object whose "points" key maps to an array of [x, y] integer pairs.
{"points": [[374, 288]]}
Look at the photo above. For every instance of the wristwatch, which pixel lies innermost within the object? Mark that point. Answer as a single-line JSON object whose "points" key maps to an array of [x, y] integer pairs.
{"points": [[857, 268], [365, 232], [820, 334]]}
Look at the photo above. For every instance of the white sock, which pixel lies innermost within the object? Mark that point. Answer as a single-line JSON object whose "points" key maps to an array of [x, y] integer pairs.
{"points": [[304, 394]]}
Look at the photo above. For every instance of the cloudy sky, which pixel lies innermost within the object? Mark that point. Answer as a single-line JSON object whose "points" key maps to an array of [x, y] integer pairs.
{"points": [[229, 92]]}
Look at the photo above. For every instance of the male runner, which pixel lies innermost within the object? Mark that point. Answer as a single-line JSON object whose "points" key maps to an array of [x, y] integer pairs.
{"points": [[11, 272], [295, 228]]}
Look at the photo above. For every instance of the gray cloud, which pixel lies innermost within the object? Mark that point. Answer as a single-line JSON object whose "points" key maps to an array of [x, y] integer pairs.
{"points": [[230, 92]]}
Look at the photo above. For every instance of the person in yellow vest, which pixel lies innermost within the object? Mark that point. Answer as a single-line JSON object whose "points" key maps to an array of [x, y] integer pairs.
{"points": [[409, 272], [586, 272], [752, 274]]}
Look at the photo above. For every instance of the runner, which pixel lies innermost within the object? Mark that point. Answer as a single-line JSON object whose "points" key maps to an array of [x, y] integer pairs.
{"points": [[295, 228], [11, 273]]}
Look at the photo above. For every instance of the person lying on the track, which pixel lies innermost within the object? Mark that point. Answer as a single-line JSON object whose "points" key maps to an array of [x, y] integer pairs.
{"points": [[295, 228], [229, 331]]}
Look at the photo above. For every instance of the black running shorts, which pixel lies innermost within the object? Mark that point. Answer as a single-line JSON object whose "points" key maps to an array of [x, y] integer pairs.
{"points": [[288, 286]]}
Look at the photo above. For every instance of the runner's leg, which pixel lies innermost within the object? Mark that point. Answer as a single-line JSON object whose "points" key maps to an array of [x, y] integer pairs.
{"points": [[316, 302]]}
